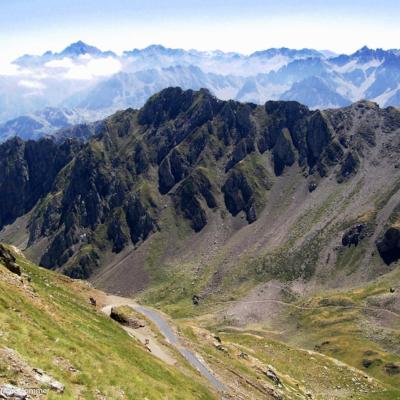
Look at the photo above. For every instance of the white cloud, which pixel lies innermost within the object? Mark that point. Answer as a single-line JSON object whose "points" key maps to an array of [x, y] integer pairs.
{"points": [[30, 84], [86, 67], [104, 66], [7, 68], [65, 63], [84, 56], [78, 72]]}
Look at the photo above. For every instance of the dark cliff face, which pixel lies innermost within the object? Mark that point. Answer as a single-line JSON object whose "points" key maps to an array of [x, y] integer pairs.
{"points": [[27, 173], [389, 245], [183, 148]]}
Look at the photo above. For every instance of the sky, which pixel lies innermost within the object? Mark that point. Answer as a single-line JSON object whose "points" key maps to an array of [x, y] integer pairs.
{"points": [[34, 26]]}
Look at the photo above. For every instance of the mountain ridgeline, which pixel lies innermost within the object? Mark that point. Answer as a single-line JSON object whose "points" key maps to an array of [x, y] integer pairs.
{"points": [[187, 162]]}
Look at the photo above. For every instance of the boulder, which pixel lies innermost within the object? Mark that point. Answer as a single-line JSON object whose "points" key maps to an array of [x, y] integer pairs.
{"points": [[125, 316], [195, 299], [367, 362], [273, 376], [8, 391], [392, 369], [49, 381], [312, 186]]}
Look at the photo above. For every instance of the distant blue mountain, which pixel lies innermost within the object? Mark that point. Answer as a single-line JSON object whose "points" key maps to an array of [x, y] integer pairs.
{"points": [[314, 92], [76, 49], [316, 78], [42, 123]]}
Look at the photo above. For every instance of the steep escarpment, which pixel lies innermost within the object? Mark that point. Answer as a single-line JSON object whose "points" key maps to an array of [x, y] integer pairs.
{"points": [[192, 178], [28, 173]]}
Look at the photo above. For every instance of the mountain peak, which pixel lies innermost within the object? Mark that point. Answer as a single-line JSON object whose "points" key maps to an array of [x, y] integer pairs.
{"points": [[80, 48], [285, 51], [366, 52]]}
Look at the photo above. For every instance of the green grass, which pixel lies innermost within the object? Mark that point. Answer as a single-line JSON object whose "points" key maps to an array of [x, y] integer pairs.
{"points": [[58, 322], [340, 325]]}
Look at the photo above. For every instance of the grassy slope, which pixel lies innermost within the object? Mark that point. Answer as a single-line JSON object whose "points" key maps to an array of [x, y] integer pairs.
{"points": [[351, 326], [56, 322], [318, 345], [302, 373]]}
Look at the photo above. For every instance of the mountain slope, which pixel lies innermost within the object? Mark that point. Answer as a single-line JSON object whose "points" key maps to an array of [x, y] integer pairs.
{"points": [[89, 355], [193, 195], [268, 227], [42, 123], [314, 92]]}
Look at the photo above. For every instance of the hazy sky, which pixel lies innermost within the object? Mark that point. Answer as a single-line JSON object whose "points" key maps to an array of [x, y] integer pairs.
{"points": [[34, 26]]}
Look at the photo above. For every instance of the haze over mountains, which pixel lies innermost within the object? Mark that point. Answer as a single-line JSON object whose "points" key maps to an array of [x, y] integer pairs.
{"points": [[90, 84]]}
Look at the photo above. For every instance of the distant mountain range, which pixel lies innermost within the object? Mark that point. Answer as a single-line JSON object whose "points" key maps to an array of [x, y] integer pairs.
{"points": [[95, 83], [45, 122]]}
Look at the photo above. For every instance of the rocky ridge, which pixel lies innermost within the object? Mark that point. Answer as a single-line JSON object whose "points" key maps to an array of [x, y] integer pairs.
{"points": [[187, 156]]}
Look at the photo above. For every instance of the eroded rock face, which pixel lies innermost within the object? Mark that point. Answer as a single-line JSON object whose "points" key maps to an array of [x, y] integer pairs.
{"points": [[84, 267], [139, 221], [116, 233], [238, 195], [189, 197], [28, 170], [348, 167], [283, 153], [389, 245]]}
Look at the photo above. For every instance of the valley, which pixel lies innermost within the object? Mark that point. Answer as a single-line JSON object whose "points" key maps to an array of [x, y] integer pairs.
{"points": [[259, 360]]}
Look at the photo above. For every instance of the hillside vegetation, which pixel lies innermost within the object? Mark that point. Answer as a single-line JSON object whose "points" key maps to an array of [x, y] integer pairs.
{"points": [[47, 323]]}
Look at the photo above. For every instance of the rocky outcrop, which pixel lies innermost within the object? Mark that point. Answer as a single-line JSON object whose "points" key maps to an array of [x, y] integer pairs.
{"points": [[126, 316], [190, 195], [8, 260], [354, 235], [389, 245], [60, 249], [8, 391], [318, 137], [283, 153], [139, 221], [116, 233], [84, 267], [44, 379], [239, 195], [28, 170], [172, 170], [241, 150], [348, 167]]}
